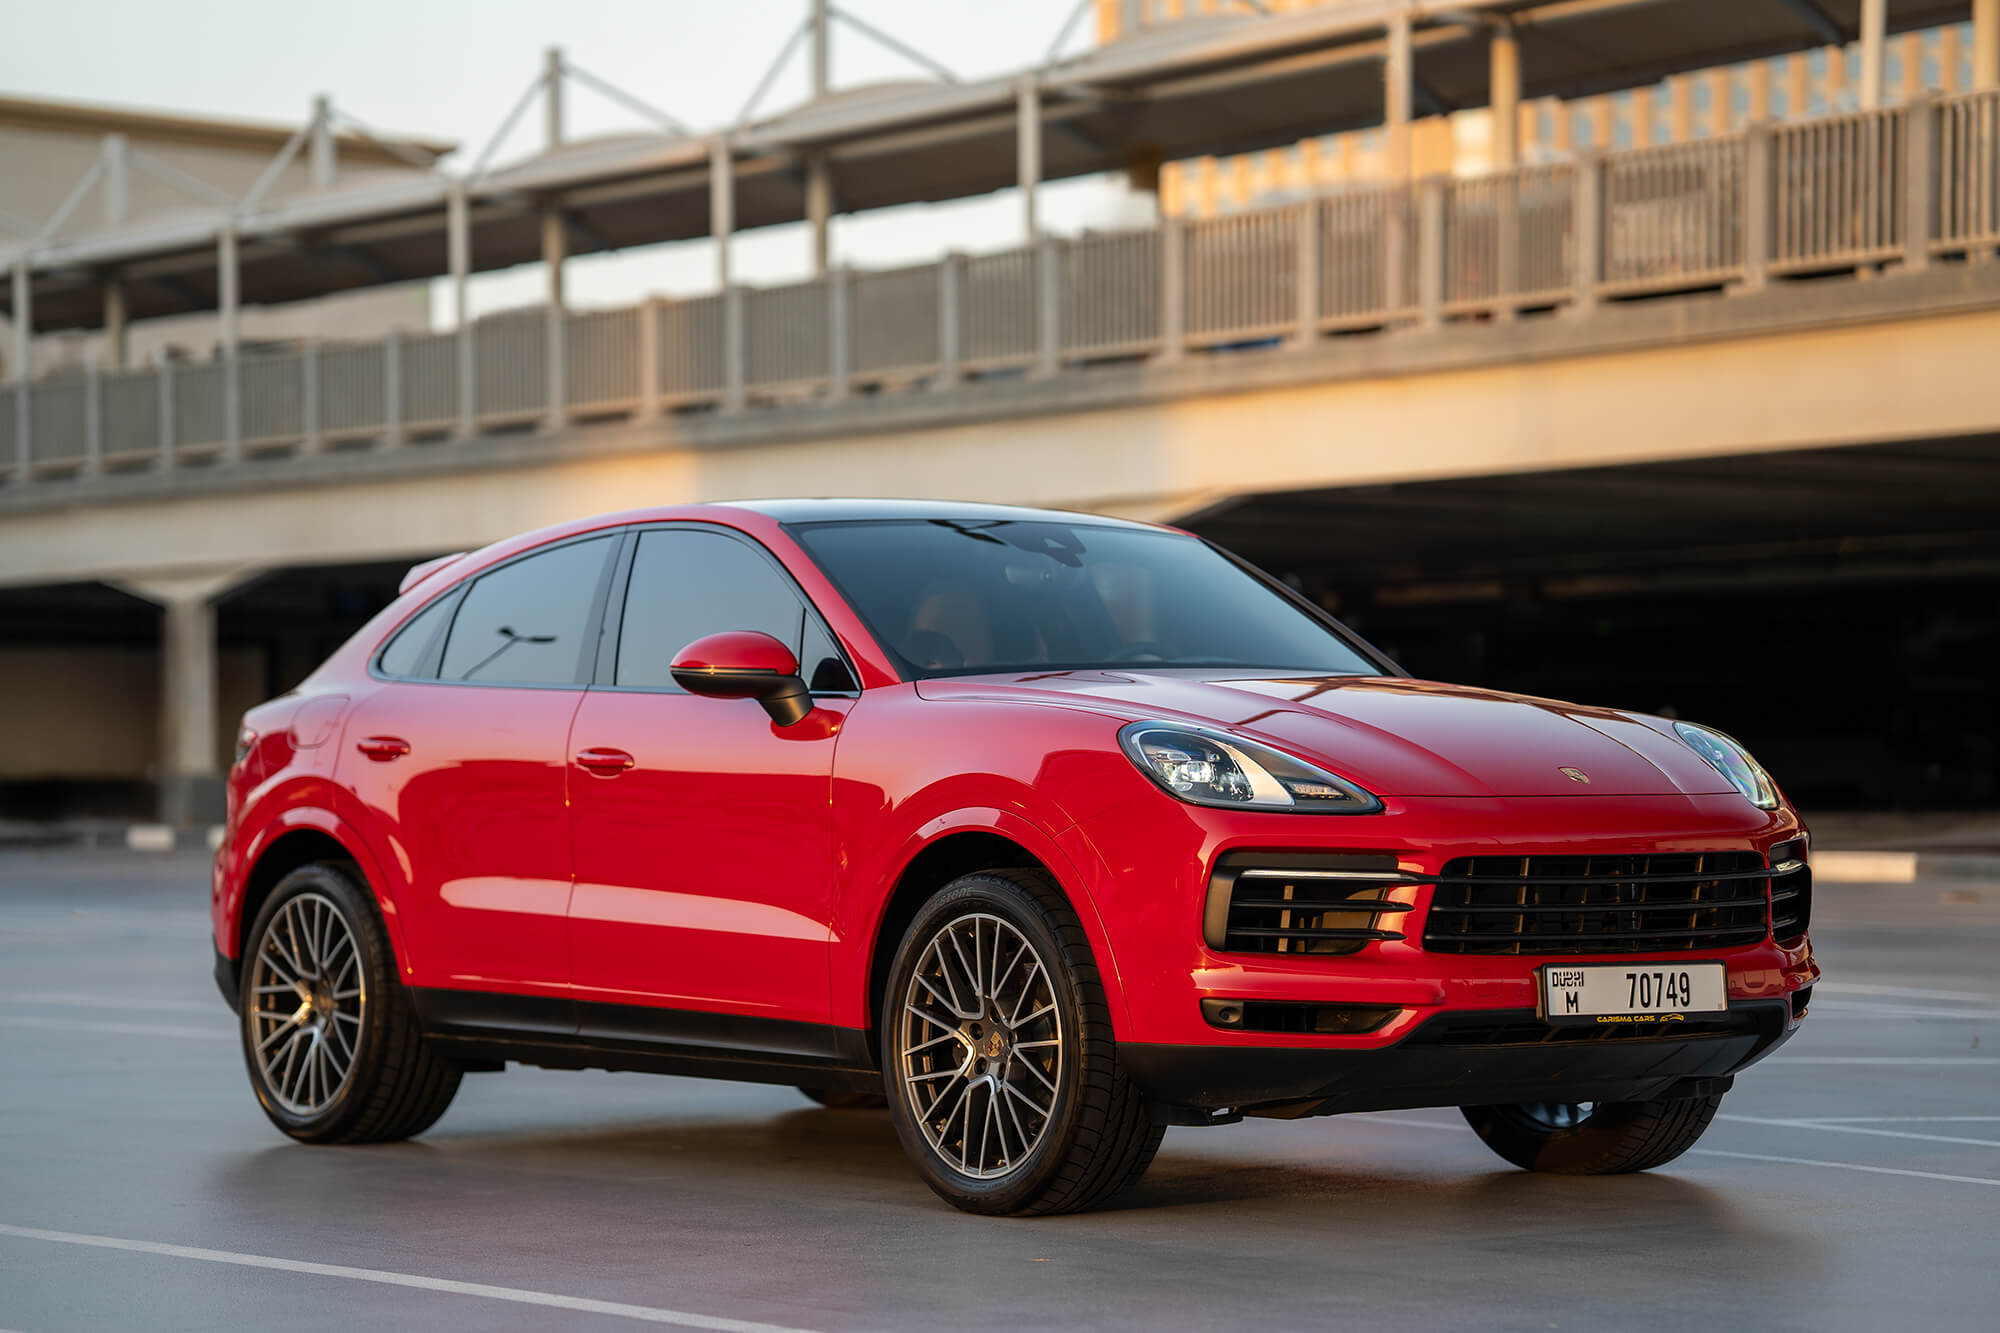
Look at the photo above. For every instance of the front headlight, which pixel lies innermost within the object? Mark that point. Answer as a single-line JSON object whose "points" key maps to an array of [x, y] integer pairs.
{"points": [[1731, 760], [1210, 768]]}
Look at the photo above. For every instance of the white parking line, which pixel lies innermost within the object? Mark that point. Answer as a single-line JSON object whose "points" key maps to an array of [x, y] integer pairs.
{"points": [[117, 1029], [1846, 1166], [646, 1314], [1883, 1060], [1905, 992], [1906, 1119], [134, 1004], [1857, 1129], [1738, 1156]]}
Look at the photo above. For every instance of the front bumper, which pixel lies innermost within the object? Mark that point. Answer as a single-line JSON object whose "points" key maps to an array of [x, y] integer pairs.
{"points": [[1465, 1058]]}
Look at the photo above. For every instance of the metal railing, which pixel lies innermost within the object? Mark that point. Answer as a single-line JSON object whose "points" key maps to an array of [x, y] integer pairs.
{"points": [[1904, 185]]}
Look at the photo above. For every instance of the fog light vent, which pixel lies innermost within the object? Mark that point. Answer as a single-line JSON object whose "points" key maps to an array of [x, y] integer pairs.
{"points": [[1279, 1016]]}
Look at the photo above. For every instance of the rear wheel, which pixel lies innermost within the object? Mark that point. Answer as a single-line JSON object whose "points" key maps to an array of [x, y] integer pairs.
{"points": [[998, 1061], [329, 1035], [847, 1101], [1593, 1138]]}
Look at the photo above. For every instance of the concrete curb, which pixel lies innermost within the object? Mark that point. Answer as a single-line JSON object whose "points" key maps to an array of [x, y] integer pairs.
{"points": [[1901, 867]]}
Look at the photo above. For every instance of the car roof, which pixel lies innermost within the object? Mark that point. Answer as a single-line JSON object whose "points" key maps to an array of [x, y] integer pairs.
{"points": [[837, 510]]}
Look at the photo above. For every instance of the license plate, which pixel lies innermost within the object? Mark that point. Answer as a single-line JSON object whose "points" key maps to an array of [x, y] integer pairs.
{"points": [[1633, 992]]}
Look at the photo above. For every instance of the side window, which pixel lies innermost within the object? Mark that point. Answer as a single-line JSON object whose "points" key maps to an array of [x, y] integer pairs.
{"points": [[410, 652], [685, 585], [821, 664], [523, 624]]}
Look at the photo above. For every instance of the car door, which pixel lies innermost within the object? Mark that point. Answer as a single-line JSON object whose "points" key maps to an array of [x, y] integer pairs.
{"points": [[702, 832], [458, 766]]}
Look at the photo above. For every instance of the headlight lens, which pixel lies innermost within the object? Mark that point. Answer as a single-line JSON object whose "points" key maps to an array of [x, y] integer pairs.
{"points": [[1209, 768], [1731, 760]]}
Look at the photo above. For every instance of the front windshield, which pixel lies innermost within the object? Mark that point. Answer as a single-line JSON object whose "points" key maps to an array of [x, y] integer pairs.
{"points": [[957, 596]]}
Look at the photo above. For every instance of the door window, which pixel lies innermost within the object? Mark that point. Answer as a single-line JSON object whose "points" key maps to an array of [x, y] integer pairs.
{"points": [[524, 623], [689, 584]]}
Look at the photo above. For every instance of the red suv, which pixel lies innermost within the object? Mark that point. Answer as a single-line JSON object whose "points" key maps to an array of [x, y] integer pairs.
{"points": [[1049, 830]]}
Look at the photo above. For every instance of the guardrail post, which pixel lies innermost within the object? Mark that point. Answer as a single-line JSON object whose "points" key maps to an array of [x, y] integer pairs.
{"points": [[1920, 181], [309, 413], [1173, 289], [1395, 252], [392, 390], [1430, 252], [163, 369], [1306, 274], [555, 366], [23, 371], [839, 332], [1048, 307], [1589, 224], [1757, 206], [732, 350], [1507, 244], [951, 297], [649, 360], [93, 419]]}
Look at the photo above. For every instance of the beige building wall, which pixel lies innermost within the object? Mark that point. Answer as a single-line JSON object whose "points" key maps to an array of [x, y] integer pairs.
{"points": [[91, 713]]}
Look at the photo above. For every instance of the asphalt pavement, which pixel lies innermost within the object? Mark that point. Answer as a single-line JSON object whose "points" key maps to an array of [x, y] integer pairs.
{"points": [[1853, 1181]]}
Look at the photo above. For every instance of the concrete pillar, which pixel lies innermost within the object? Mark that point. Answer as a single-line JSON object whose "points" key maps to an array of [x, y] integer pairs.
{"points": [[190, 770], [1874, 50], [1798, 86], [116, 322], [1947, 59], [1028, 155], [552, 96], [1398, 73], [819, 209], [23, 357], [117, 181], [721, 206], [458, 254], [1504, 81], [1985, 44], [228, 300], [321, 164], [555, 250], [1680, 109]]}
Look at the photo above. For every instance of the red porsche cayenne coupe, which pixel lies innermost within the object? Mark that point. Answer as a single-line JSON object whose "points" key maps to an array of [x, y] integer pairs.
{"points": [[1048, 830]]}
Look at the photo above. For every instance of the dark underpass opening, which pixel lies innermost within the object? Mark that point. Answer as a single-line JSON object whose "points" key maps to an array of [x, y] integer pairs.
{"points": [[1837, 610]]}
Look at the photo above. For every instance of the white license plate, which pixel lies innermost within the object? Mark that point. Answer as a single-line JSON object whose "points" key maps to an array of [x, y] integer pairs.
{"points": [[1633, 992]]}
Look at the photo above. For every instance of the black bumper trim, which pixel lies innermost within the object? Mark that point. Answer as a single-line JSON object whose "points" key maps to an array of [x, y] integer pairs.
{"points": [[228, 980], [1429, 1068]]}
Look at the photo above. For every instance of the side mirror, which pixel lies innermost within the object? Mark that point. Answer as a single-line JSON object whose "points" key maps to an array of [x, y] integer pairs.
{"points": [[745, 664]]}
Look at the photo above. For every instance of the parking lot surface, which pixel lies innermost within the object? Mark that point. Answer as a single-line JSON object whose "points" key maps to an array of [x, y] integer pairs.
{"points": [[1853, 1181]]}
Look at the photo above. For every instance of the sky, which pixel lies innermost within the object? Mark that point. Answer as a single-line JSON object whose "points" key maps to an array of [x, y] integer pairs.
{"points": [[452, 69]]}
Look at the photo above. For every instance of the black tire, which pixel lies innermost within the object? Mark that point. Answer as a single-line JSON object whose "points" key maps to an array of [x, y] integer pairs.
{"points": [[846, 1101], [1097, 1136], [1608, 1138], [394, 1086]]}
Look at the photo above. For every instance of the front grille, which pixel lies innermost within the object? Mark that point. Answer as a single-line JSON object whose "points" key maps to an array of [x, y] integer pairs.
{"points": [[1640, 903], [1302, 902]]}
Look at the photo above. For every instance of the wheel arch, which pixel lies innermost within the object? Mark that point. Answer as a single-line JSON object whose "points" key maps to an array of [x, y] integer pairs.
{"points": [[960, 845], [301, 837]]}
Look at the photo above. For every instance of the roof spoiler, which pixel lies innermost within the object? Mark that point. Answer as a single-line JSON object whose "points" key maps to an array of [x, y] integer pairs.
{"points": [[418, 573]]}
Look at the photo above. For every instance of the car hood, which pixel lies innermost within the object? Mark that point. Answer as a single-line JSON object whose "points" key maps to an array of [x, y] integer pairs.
{"points": [[1395, 737]]}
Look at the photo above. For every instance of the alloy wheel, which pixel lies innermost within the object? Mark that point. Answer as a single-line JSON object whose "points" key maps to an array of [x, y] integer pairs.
{"points": [[305, 1002], [981, 1046]]}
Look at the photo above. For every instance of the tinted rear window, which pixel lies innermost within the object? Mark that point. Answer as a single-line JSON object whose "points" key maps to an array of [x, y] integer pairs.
{"points": [[523, 624]]}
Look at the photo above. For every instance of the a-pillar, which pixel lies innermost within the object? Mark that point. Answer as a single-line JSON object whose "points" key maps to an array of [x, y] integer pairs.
{"points": [[190, 766]]}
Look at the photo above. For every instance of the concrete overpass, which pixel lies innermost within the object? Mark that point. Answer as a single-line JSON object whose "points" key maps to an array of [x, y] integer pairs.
{"points": [[1814, 305]]}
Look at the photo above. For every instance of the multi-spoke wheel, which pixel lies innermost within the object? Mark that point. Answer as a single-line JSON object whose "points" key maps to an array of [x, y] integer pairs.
{"points": [[997, 1055], [305, 1001], [1593, 1138], [332, 1044]]}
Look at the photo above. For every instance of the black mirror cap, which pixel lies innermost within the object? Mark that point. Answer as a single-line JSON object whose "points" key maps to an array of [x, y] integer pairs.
{"points": [[784, 697]]}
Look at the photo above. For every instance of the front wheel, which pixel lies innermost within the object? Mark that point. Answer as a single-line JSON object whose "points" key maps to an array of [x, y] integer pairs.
{"points": [[1593, 1138], [998, 1060], [329, 1034]]}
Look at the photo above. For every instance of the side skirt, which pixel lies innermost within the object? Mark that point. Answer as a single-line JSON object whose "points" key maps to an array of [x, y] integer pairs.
{"points": [[553, 1033]]}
